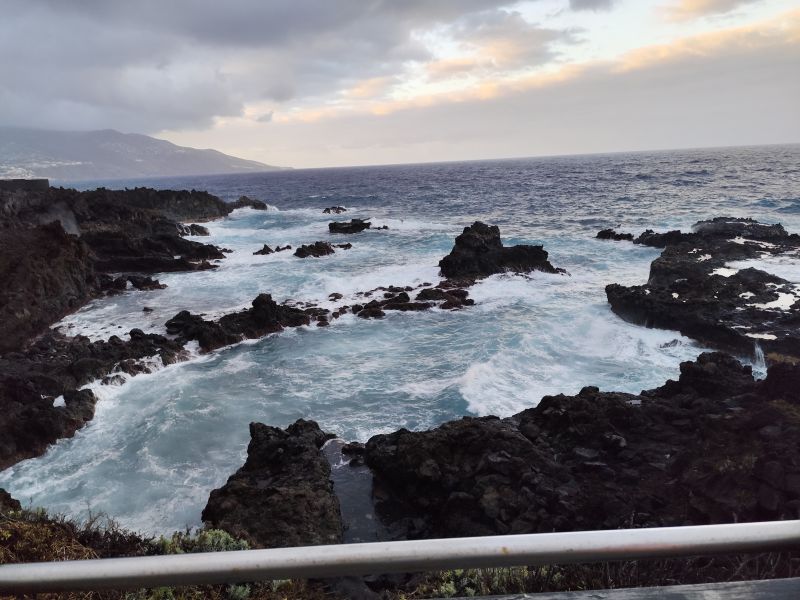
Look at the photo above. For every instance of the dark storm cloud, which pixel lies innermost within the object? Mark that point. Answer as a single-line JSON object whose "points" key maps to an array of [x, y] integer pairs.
{"points": [[151, 64], [591, 4]]}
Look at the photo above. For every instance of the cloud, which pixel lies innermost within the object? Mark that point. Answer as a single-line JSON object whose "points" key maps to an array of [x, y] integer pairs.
{"points": [[684, 10], [722, 88], [591, 4], [150, 65]]}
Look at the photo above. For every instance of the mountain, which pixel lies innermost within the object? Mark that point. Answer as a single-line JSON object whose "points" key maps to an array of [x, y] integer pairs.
{"points": [[107, 154]]}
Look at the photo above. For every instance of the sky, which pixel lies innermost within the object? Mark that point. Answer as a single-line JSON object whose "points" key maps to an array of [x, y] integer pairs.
{"points": [[313, 83]]}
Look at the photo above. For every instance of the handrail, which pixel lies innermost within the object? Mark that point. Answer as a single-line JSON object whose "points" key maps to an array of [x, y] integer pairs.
{"points": [[389, 557]]}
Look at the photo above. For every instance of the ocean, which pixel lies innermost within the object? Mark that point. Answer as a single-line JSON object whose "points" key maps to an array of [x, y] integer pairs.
{"points": [[160, 443]]}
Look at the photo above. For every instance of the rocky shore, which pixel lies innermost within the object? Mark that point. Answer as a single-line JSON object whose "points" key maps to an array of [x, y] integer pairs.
{"points": [[693, 288], [118, 237], [60, 249], [714, 446]]}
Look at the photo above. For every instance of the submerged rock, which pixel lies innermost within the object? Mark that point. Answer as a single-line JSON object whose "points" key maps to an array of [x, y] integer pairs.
{"points": [[335, 210], [692, 289], [283, 494], [693, 451], [354, 226], [478, 252]]}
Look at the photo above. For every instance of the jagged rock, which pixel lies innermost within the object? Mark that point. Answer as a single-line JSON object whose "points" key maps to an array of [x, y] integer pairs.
{"points": [[247, 202], [354, 226], [140, 282], [450, 298], [193, 229], [116, 251], [7, 503], [264, 251], [264, 317], [55, 367], [282, 248], [689, 452], [316, 249], [46, 274], [478, 252], [283, 495], [691, 289], [610, 234], [336, 210]]}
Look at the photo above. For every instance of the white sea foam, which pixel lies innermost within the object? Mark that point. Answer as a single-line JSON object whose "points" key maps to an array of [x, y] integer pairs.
{"points": [[786, 266], [784, 302]]}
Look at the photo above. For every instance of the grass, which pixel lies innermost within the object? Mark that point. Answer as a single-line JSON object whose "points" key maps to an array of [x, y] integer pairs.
{"points": [[34, 535]]}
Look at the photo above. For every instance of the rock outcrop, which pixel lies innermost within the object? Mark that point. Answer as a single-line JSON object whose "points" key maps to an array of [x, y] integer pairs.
{"points": [[353, 226], [692, 289], [283, 495], [265, 316], [40, 396], [610, 234], [247, 202], [45, 274], [59, 245], [316, 249], [478, 252], [264, 251], [713, 447]]}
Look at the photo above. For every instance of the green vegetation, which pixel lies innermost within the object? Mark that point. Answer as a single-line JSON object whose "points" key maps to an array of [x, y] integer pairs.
{"points": [[33, 535]]}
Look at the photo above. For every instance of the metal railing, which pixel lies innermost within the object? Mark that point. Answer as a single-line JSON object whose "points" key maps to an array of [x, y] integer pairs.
{"points": [[392, 557]]}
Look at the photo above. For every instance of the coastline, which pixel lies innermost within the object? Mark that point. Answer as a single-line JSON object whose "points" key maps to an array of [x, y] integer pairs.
{"points": [[478, 258]]}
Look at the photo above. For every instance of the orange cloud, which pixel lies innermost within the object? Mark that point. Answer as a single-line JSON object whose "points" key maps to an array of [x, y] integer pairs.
{"points": [[685, 10], [782, 30]]}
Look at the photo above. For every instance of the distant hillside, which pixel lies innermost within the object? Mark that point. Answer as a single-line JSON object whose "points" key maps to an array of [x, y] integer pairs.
{"points": [[107, 154]]}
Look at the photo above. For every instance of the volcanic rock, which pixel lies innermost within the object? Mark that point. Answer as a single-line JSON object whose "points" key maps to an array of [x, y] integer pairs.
{"points": [[264, 317], [354, 226], [692, 289], [610, 234], [46, 274], [316, 249], [247, 202], [193, 229], [140, 282], [7, 503], [689, 452], [264, 251], [478, 252], [283, 495], [54, 367], [335, 210]]}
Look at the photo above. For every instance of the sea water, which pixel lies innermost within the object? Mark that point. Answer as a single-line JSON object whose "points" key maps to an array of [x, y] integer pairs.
{"points": [[161, 442]]}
